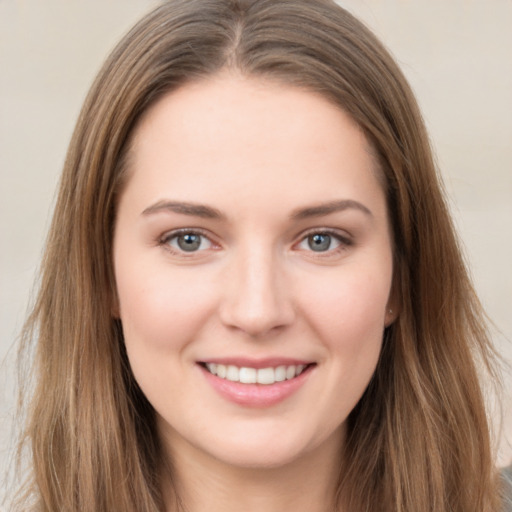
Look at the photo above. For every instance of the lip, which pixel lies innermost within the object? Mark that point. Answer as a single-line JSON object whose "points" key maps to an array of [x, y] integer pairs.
{"points": [[257, 395], [257, 363]]}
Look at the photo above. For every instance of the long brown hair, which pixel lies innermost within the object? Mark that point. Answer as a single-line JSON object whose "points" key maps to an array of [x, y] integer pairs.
{"points": [[418, 440]]}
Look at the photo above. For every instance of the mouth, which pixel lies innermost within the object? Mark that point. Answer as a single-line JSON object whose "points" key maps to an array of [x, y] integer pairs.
{"points": [[256, 383], [250, 375]]}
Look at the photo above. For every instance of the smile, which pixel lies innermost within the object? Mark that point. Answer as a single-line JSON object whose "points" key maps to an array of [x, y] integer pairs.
{"points": [[248, 375], [257, 384]]}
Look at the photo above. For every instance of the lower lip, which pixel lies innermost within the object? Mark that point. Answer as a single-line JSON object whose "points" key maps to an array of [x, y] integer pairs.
{"points": [[256, 395]]}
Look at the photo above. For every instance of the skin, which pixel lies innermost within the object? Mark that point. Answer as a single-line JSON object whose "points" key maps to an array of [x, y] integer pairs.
{"points": [[257, 153]]}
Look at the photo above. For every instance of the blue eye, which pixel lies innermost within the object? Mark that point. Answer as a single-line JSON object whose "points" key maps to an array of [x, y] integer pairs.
{"points": [[189, 241], [321, 242]]}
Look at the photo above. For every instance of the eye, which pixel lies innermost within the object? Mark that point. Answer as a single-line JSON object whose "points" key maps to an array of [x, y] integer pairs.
{"points": [[320, 242], [323, 241], [187, 241]]}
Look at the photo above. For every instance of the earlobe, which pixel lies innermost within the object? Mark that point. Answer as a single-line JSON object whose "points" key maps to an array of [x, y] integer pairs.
{"points": [[114, 305], [394, 300], [391, 316]]}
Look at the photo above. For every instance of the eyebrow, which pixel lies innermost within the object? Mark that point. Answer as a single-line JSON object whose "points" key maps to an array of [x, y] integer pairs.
{"points": [[207, 212], [328, 208], [193, 209]]}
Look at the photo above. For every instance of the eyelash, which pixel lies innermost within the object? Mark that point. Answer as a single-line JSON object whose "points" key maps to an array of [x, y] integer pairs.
{"points": [[168, 237], [344, 241]]}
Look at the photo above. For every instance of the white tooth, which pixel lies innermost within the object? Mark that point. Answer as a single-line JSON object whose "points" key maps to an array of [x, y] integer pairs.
{"points": [[221, 371], [247, 375], [299, 369], [212, 368], [266, 376], [232, 373], [290, 372], [280, 373]]}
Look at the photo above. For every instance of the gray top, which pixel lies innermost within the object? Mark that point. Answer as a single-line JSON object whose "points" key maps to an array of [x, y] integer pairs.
{"points": [[507, 477]]}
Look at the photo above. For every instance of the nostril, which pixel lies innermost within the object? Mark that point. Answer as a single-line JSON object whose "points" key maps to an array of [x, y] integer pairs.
{"points": [[257, 319], [255, 297]]}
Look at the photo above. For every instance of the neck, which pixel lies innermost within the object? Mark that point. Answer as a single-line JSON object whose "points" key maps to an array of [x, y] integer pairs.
{"points": [[202, 483]]}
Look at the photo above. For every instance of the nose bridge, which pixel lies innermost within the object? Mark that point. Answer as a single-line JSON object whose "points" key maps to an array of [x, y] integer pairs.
{"points": [[257, 299]]}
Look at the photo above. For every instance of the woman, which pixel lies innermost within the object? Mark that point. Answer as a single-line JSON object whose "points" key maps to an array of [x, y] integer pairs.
{"points": [[252, 284]]}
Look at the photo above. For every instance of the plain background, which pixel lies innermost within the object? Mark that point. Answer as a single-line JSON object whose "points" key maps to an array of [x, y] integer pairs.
{"points": [[457, 55]]}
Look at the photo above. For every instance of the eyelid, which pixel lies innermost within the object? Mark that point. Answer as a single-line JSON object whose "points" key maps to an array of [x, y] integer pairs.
{"points": [[164, 239], [340, 234], [344, 239]]}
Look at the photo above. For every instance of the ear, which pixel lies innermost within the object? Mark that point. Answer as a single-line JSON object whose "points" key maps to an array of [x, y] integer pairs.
{"points": [[115, 310], [391, 315], [393, 305]]}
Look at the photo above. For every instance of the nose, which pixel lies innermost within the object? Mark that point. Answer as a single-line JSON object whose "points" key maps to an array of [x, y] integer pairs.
{"points": [[256, 299]]}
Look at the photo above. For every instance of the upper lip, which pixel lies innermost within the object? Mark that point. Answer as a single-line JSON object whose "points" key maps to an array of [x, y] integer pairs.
{"points": [[246, 362]]}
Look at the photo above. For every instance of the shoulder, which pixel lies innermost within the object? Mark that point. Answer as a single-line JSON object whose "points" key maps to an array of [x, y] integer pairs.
{"points": [[506, 475]]}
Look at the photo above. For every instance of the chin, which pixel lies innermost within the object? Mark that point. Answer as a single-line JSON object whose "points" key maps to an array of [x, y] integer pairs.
{"points": [[255, 450], [269, 457]]}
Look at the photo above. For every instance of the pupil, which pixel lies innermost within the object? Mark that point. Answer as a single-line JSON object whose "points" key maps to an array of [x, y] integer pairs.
{"points": [[189, 242], [319, 242]]}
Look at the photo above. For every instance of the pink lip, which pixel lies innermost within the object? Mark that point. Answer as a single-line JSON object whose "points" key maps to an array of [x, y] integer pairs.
{"points": [[256, 395], [269, 362]]}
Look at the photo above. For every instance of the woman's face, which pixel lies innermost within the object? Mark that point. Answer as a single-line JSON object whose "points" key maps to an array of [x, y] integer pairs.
{"points": [[252, 243]]}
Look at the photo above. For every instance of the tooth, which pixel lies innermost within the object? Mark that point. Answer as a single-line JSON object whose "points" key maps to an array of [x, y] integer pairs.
{"points": [[247, 375], [212, 368], [221, 371], [251, 375], [266, 376], [290, 372], [232, 373], [280, 374]]}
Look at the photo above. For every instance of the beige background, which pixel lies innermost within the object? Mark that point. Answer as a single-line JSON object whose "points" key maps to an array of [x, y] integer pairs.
{"points": [[456, 53]]}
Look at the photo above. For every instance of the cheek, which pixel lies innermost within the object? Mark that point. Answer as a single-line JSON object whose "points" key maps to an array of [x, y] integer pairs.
{"points": [[162, 310], [349, 300], [347, 313], [161, 313], [347, 308]]}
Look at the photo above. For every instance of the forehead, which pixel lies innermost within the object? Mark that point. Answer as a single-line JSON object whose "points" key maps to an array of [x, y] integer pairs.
{"points": [[244, 136]]}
